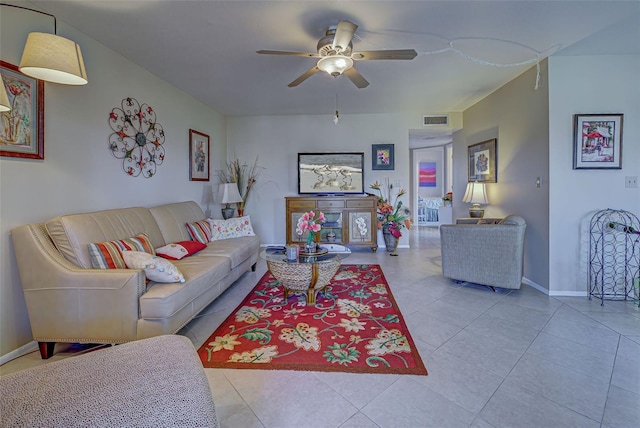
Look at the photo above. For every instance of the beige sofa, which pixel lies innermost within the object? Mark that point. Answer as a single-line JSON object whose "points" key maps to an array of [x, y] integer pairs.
{"points": [[69, 301]]}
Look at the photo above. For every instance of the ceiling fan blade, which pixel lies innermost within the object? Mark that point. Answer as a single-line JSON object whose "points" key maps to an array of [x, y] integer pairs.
{"points": [[343, 36], [388, 54], [313, 70], [305, 54], [355, 76]]}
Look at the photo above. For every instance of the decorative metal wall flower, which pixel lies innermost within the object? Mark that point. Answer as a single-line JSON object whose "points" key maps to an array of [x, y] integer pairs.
{"points": [[137, 138]]}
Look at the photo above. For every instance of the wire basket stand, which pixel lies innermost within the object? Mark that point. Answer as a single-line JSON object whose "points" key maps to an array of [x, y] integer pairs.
{"points": [[614, 256]]}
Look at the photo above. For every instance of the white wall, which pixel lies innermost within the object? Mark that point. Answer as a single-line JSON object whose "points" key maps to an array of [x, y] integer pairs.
{"points": [[587, 84], [79, 173], [517, 115], [278, 139]]}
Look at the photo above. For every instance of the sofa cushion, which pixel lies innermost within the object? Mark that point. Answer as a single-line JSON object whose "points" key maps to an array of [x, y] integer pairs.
{"points": [[172, 217], [231, 228], [108, 255], [237, 250], [155, 268], [179, 250], [164, 300], [71, 234]]}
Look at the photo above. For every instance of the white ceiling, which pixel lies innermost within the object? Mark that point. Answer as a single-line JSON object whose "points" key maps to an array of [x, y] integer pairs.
{"points": [[208, 48]]}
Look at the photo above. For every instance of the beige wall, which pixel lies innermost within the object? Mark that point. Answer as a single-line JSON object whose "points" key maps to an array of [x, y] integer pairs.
{"points": [[276, 140], [517, 115], [79, 173], [588, 84]]}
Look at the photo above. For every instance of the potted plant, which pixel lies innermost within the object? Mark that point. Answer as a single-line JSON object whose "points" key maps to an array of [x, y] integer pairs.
{"points": [[392, 216]]}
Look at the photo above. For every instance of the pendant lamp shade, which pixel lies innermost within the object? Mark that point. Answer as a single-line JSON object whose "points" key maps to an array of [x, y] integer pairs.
{"points": [[4, 98], [54, 59]]}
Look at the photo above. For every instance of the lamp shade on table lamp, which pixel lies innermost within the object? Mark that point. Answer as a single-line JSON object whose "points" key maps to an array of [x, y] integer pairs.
{"points": [[475, 194], [228, 194]]}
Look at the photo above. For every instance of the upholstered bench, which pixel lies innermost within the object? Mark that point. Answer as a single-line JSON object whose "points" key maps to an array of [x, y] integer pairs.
{"points": [[156, 382]]}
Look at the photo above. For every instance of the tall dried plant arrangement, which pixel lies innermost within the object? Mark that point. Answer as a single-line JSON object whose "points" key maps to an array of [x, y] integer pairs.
{"points": [[245, 176]]}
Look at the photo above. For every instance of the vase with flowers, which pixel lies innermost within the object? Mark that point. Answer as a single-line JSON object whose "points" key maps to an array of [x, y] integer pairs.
{"points": [[312, 225], [245, 177], [393, 216], [447, 199]]}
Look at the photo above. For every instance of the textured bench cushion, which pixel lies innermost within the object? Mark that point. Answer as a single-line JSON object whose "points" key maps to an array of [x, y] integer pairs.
{"points": [[157, 382]]}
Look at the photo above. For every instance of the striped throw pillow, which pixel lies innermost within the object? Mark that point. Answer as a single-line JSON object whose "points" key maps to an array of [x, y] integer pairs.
{"points": [[199, 231], [108, 255]]}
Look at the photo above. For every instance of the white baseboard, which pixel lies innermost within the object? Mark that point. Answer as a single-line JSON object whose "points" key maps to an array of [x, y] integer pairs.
{"points": [[17, 353], [559, 293], [568, 293], [532, 284]]}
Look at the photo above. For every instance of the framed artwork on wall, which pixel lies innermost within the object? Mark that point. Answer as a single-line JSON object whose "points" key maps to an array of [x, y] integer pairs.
{"points": [[483, 161], [22, 127], [427, 174], [382, 156], [199, 158], [597, 141]]}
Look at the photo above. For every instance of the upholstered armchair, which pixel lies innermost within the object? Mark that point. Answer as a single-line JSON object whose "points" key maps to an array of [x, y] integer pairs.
{"points": [[487, 254]]}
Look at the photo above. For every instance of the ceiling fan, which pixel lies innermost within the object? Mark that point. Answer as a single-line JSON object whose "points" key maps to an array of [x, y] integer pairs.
{"points": [[336, 56]]}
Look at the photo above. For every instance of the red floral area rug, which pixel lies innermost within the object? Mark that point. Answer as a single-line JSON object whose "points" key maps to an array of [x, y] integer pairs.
{"points": [[356, 327]]}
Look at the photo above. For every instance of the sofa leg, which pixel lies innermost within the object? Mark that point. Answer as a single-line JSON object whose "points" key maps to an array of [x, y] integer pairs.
{"points": [[46, 349], [253, 267]]}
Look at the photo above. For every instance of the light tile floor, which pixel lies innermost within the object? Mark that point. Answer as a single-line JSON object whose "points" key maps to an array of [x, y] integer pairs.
{"points": [[506, 359]]}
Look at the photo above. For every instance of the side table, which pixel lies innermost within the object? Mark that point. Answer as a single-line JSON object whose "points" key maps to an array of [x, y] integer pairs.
{"points": [[307, 274]]}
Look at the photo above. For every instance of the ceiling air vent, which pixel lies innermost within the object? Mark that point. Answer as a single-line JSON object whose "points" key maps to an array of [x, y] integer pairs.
{"points": [[435, 120]]}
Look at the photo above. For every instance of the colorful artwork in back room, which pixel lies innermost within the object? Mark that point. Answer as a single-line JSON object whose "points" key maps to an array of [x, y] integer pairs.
{"points": [[427, 174]]}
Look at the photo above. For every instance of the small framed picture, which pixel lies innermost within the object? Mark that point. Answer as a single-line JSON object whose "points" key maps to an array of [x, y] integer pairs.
{"points": [[382, 156], [597, 141], [483, 161], [22, 127], [198, 156]]}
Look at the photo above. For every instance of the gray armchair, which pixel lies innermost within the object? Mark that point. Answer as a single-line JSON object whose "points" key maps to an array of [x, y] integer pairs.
{"points": [[487, 254]]}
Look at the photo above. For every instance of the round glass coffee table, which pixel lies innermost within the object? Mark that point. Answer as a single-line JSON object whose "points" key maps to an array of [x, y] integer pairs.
{"points": [[308, 273]]}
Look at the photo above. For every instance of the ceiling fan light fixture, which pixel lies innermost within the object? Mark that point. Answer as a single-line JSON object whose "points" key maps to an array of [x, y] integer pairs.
{"points": [[335, 65]]}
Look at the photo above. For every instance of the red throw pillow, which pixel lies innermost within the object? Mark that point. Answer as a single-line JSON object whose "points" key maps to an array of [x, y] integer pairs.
{"points": [[179, 250]]}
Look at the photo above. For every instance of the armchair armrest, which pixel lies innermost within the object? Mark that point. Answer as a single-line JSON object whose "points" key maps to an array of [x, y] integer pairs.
{"points": [[67, 303]]}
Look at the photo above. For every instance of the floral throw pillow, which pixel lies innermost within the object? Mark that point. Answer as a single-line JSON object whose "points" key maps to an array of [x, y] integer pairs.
{"points": [[179, 250], [155, 268], [108, 255], [231, 228]]}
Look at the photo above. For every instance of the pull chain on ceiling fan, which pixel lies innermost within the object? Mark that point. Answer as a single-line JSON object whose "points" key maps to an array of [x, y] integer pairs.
{"points": [[335, 55]]}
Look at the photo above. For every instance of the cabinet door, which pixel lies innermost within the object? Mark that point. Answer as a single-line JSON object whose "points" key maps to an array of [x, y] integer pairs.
{"points": [[332, 228], [360, 227]]}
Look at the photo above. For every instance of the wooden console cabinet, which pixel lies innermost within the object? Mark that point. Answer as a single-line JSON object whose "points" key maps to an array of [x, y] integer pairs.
{"points": [[351, 220]]}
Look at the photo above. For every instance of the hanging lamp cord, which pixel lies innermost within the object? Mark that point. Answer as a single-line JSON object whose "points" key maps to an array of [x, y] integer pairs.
{"points": [[55, 23]]}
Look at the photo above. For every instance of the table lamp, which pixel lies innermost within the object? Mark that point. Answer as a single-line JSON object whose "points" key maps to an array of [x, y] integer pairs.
{"points": [[228, 193], [476, 194]]}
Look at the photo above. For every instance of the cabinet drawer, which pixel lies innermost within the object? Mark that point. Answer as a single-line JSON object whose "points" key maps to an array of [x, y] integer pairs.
{"points": [[302, 204], [364, 203], [331, 204]]}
